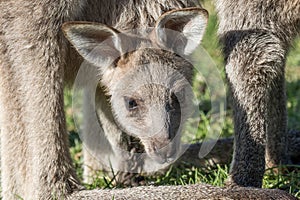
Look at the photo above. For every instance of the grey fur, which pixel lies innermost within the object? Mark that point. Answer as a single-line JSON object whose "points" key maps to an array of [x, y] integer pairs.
{"points": [[35, 59], [256, 36], [155, 79], [187, 192]]}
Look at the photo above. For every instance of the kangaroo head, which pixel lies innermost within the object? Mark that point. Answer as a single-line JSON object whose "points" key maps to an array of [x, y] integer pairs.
{"points": [[146, 74]]}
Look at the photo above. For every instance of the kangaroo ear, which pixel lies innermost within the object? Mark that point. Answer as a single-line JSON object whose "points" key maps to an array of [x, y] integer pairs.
{"points": [[97, 43], [181, 30]]}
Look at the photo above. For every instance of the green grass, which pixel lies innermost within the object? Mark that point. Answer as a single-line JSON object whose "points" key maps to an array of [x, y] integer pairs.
{"points": [[190, 175], [289, 180], [293, 86]]}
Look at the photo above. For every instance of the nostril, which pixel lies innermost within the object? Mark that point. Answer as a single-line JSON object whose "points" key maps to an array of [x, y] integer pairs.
{"points": [[159, 146], [154, 147]]}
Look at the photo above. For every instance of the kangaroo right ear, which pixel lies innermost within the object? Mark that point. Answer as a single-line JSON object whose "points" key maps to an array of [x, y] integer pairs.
{"points": [[97, 43], [181, 30]]}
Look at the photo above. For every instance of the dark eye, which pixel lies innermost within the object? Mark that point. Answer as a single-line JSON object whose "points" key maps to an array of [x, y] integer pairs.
{"points": [[131, 104]]}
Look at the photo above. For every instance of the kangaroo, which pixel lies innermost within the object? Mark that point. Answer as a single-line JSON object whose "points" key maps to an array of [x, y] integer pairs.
{"points": [[256, 37], [35, 62], [148, 88], [258, 95]]}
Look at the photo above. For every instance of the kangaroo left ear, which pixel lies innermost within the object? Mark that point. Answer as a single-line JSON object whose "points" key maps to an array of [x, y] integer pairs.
{"points": [[99, 44], [181, 30]]}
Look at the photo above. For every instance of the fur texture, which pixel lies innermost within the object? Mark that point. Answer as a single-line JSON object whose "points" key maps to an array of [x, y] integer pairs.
{"points": [[256, 36], [148, 87], [35, 61]]}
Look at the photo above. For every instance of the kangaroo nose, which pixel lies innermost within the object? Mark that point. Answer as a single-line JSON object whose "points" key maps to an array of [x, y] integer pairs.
{"points": [[165, 153]]}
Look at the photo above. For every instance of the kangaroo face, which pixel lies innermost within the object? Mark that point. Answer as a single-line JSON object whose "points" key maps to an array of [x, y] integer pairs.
{"points": [[146, 75], [151, 100]]}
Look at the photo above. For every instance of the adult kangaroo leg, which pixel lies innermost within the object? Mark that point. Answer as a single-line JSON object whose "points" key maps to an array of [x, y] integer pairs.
{"points": [[35, 156], [276, 146], [252, 71], [256, 35]]}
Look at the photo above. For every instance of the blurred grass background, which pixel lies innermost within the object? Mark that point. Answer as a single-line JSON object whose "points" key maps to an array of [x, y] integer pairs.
{"points": [[213, 175]]}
